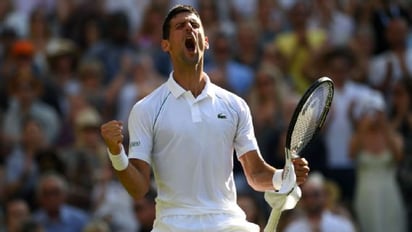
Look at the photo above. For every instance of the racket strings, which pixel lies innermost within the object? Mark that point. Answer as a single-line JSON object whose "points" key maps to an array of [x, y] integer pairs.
{"points": [[310, 118]]}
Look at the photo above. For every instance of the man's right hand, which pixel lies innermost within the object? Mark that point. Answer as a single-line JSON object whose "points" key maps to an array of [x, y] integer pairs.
{"points": [[112, 133]]}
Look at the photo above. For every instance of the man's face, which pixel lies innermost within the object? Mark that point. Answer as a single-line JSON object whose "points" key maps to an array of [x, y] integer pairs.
{"points": [[52, 196], [313, 198], [187, 42]]}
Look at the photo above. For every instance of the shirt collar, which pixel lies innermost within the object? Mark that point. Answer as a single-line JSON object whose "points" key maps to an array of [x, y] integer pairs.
{"points": [[178, 90]]}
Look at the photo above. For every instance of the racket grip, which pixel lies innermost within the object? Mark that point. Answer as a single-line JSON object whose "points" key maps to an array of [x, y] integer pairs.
{"points": [[273, 221]]}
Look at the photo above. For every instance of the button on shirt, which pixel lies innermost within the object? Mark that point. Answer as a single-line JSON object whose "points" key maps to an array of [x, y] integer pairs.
{"points": [[189, 143]]}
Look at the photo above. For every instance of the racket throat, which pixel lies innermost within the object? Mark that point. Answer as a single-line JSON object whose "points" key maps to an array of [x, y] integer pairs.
{"points": [[290, 154]]}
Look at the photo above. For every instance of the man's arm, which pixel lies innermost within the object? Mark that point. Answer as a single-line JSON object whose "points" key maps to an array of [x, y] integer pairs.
{"points": [[259, 174], [135, 178], [134, 175]]}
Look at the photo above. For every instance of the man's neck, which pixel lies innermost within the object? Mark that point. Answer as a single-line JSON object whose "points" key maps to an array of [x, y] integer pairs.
{"points": [[191, 79]]}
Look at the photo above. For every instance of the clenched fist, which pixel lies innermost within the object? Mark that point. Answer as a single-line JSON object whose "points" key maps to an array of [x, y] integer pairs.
{"points": [[112, 133]]}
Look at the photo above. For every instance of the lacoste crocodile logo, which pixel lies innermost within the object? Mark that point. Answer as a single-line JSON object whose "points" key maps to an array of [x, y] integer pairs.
{"points": [[221, 116]]}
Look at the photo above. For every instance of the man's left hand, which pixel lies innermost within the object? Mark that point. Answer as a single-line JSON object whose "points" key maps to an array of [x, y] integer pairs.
{"points": [[301, 169]]}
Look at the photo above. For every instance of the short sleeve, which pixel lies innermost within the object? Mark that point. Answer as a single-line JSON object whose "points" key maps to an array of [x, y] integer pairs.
{"points": [[140, 133], [245, 139]]}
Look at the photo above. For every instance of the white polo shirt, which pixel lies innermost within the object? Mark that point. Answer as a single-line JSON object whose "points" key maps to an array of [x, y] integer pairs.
{"points": [[189, 143]]}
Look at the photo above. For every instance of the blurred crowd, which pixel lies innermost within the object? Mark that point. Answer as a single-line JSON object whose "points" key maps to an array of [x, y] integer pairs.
{"points": [[66, 66]]}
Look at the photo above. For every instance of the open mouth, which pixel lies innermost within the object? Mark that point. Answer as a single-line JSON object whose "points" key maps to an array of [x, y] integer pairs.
{"points": [[190, 44]]}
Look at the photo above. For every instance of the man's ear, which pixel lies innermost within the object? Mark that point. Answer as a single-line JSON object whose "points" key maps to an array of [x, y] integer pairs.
{"points": [[165, 45], [207, 42]]}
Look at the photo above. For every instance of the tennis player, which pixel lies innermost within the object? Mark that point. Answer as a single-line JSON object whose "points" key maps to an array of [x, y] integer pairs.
{"points": [[186, 131]]}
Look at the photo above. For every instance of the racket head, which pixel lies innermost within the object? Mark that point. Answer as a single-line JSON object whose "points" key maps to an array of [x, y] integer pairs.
{"points": [[309, 116]]}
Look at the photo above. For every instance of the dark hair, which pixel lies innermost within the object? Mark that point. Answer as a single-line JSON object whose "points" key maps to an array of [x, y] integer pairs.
{"points": [[171, 14]]}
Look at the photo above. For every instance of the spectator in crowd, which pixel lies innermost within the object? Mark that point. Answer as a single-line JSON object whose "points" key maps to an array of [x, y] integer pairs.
{"points": [[49, 160], [76, 103], [143, 79], [362, 45], [39, 35], [21, 165], [30, 225], [224, 70], [85, 159], [91, 32], [10, 17], [337, 64], [24, 101], [269, 17], [266, 104], [400, 116], [383, 12], [7, 38], [208, 11], [90, 79], [112, 203], [122, 78], [111, 50], [147, 38], [299, 44], [145, 211], [15, 52], [315, 216], [394, 63], [248, 50], [61, 80], [376, 148], [53, 213], [16, 212], [327, 16]]}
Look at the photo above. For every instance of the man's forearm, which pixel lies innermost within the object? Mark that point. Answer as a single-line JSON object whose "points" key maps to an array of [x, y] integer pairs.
{"points": [[134, 181]]}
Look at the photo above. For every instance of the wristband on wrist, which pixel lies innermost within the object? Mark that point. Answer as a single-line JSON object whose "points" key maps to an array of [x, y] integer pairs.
{"points": [[277, 179], [120, 161]]}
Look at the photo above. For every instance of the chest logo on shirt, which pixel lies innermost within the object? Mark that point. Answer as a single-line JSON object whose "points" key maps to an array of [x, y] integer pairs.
{"points": [[221, 116]]}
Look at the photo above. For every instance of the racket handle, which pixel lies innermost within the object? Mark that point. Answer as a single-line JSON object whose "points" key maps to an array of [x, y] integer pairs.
{"points": [[273, 221]]}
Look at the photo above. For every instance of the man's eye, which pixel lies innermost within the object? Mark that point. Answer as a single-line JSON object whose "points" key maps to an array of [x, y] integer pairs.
{"points": [[195, 25], [179, 26]]}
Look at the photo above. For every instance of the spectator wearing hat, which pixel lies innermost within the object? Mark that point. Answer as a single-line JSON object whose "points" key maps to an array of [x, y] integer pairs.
{"points": [[61, 81], [85, 159], [17, 58]]}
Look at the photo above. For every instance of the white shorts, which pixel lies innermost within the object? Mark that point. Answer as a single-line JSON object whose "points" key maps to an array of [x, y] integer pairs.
{"points": [[203, 223]]}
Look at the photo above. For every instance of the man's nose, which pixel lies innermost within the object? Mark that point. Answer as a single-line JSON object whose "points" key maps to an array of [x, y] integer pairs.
{"points": [[188, 26]]}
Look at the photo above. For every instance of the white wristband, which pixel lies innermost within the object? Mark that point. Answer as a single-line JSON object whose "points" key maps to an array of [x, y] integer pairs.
{"points": [[120, 161], [277, 179]]}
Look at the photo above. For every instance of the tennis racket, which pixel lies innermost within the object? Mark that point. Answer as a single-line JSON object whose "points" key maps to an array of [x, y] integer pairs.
{"points": [[307, 120], [309, 116]]}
